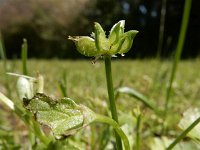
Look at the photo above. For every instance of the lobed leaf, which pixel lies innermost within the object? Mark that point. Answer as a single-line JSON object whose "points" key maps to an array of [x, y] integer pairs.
{"points": [[63, 116]]}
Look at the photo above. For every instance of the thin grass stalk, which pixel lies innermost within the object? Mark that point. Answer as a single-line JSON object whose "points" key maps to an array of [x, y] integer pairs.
{"points": [[5, 66], [92, 137], [146, 101], [104, 138], [138, 125], [63, 84], [184, 25], [111, 96], [162, 28], [24, 56], [2, 52]]}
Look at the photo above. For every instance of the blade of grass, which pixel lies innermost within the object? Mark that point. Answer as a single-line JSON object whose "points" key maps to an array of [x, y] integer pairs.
{"points": [[24, 56], [133, 93], [184, 24], [5, 65], [63, 84], [104, 137], [138, 133], [162, 27], [138, 116], [2, 52]]}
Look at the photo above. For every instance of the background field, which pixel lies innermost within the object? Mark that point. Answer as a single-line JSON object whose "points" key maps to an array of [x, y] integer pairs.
{"points": [[86, 84]]}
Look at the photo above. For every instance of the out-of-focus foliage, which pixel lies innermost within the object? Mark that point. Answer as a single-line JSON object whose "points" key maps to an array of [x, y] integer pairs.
{"points": [[47, 23], [189, 116], [44, 23]]}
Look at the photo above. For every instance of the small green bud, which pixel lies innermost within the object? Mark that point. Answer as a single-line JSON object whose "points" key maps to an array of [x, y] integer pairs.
{"points": [[63, 116]]}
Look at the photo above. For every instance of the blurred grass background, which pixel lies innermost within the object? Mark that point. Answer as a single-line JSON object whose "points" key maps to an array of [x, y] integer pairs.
{"points": [[86, 84]]}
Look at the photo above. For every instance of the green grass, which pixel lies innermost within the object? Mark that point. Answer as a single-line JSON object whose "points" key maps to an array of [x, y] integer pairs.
{"points": [[86, 84]]}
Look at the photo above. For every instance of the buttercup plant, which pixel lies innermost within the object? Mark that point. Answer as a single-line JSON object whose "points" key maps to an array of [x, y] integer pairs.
{"points": [[67, 117], [118, 42]]}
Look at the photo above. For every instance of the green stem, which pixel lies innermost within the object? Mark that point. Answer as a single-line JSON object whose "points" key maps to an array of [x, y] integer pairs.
{"points": [[179, 49], [111, 97], [162, 27], [5, 65], [183, 134], [63, 84], [104, 119], [138, 132], [3, 53], [24, 56]]}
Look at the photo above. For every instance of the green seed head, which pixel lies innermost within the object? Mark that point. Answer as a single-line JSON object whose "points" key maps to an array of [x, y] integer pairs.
{"points": [[117, 42]]}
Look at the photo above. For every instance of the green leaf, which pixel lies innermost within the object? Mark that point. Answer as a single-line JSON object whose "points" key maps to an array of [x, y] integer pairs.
{"points": [[63, 116]]}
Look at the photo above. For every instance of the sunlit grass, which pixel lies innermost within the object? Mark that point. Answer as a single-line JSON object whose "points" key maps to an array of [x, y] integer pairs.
{"points": [[86, 85]]}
